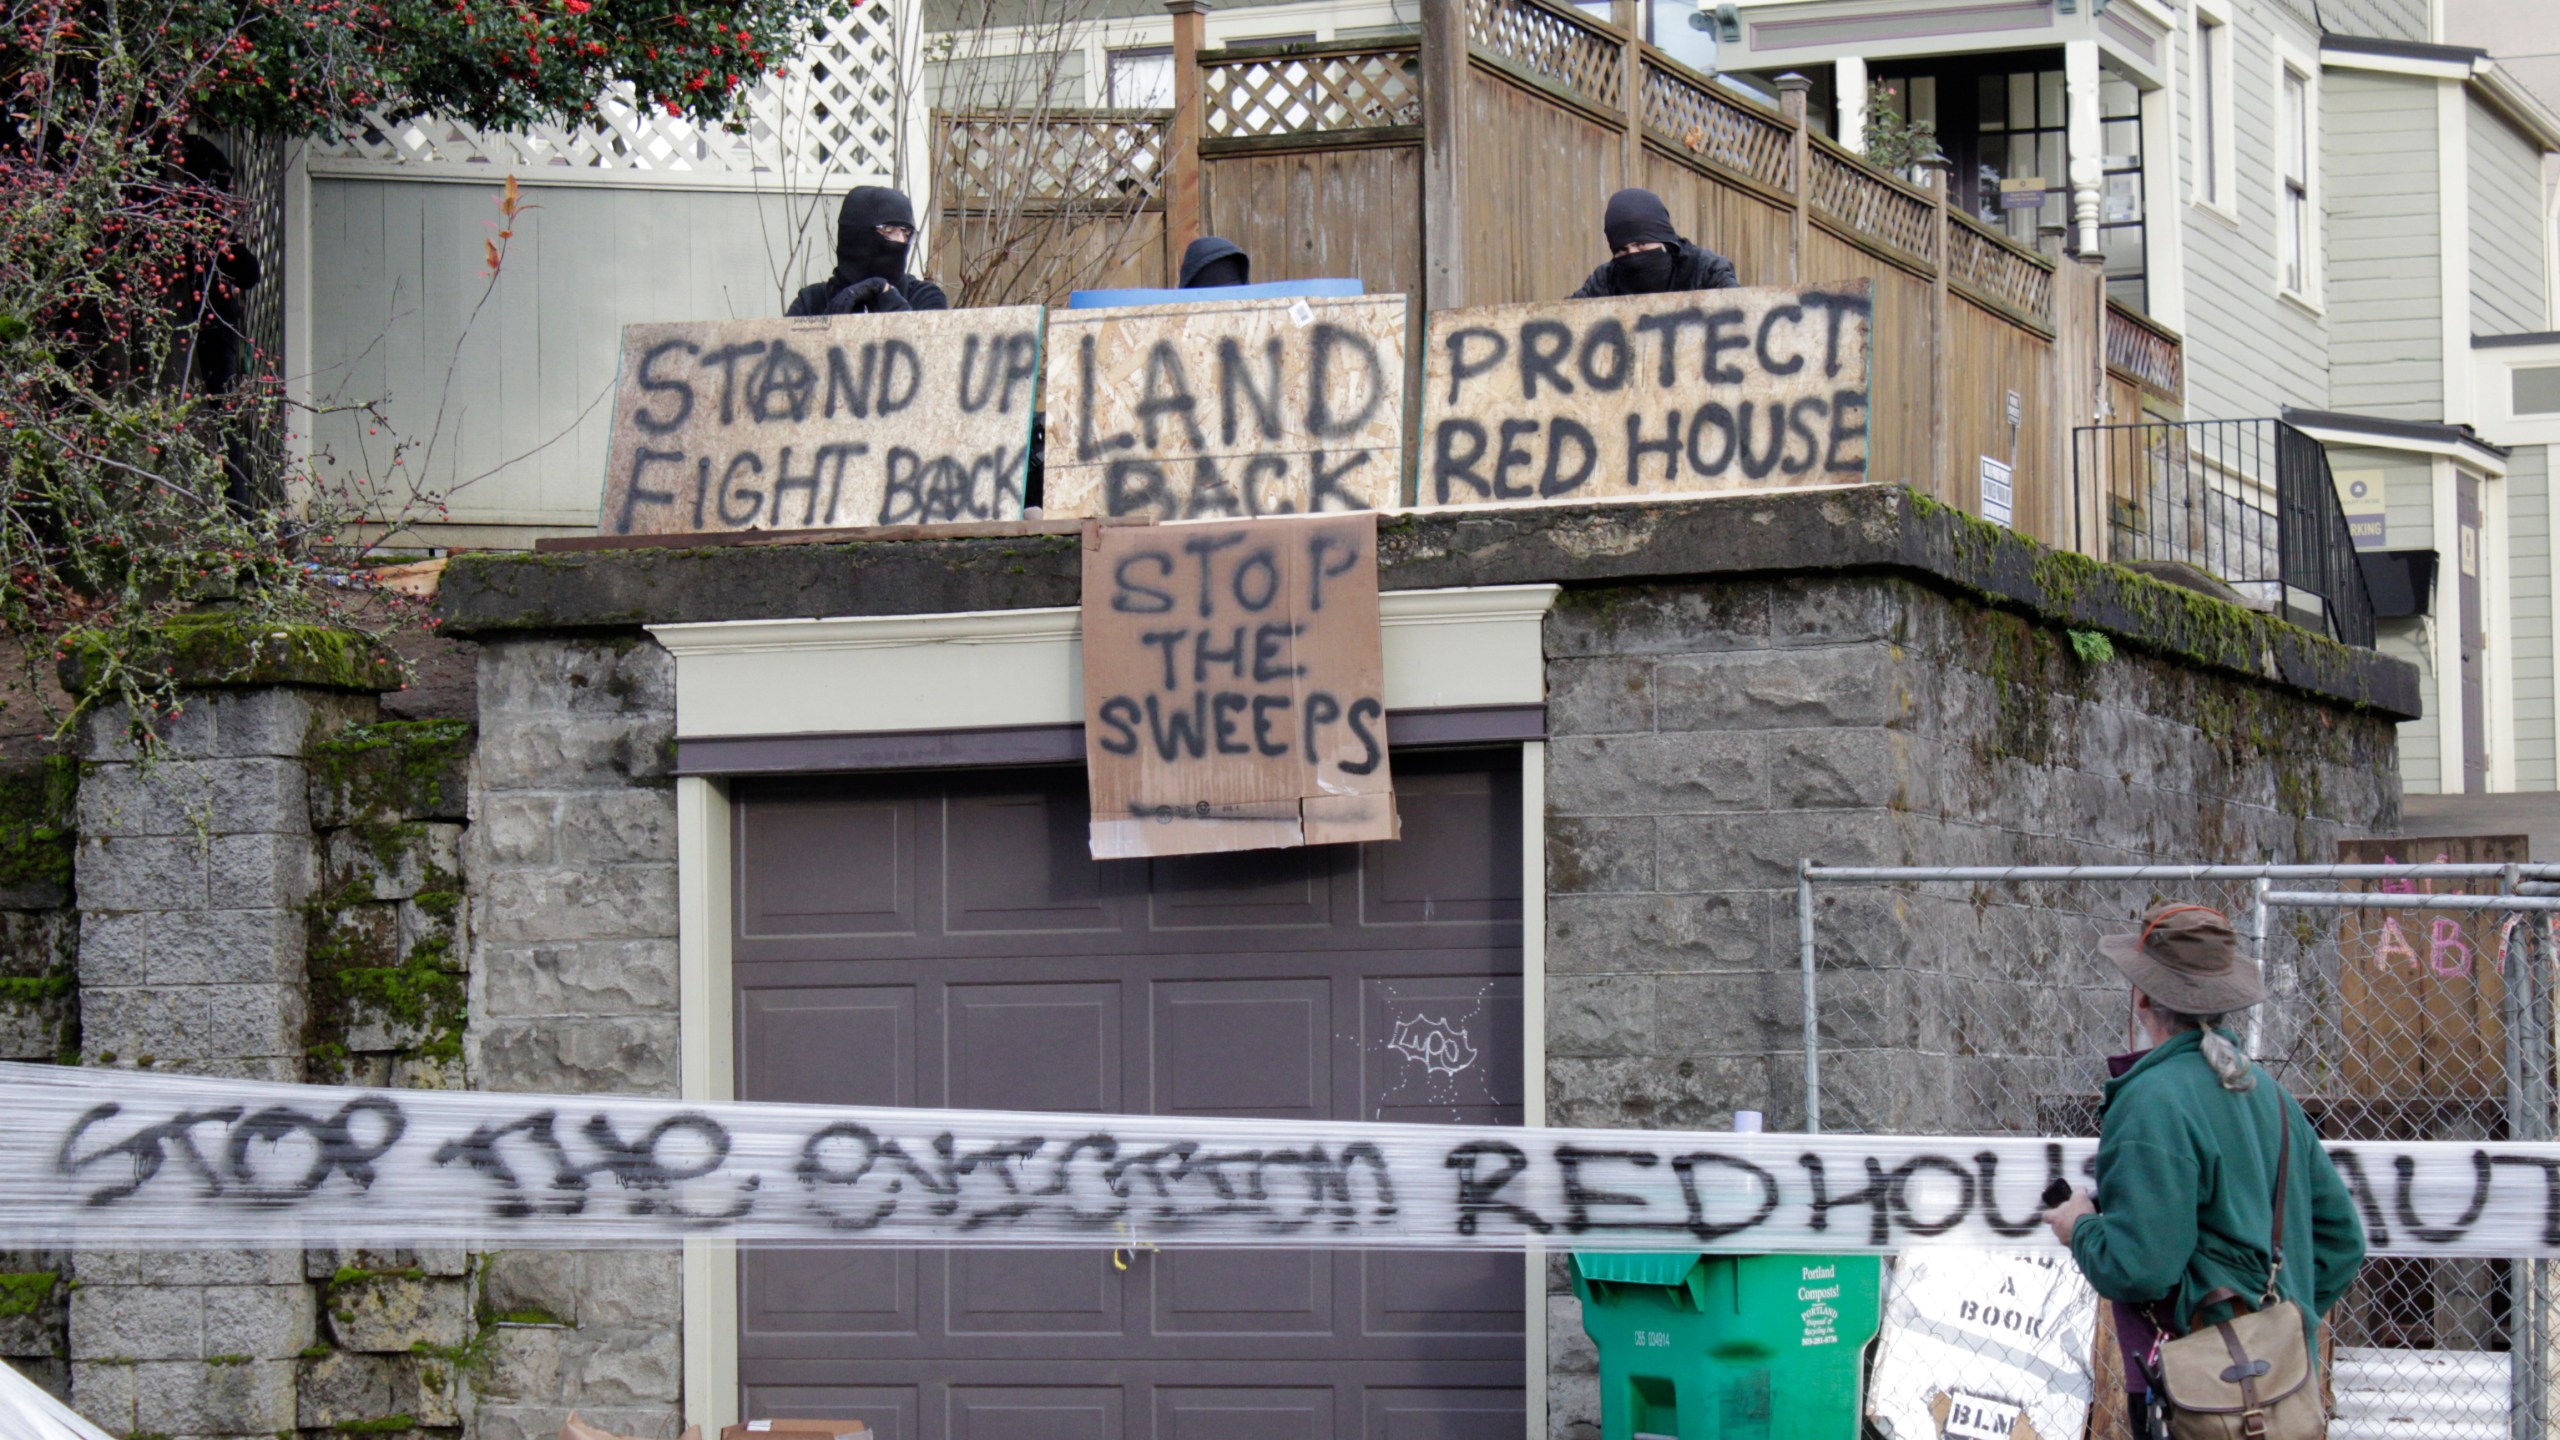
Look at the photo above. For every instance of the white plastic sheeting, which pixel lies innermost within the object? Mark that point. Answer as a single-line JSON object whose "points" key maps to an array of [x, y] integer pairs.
{"points": [[126, 1160], [28, 1413]]}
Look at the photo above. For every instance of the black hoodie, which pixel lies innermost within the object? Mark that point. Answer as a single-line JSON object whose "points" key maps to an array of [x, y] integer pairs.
{"points": [[863, 254], [1210, 261], [1635, 216]]}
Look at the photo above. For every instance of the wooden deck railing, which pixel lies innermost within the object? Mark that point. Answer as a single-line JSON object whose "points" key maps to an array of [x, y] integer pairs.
{"points": [[1265, 96], [2145, 352]]}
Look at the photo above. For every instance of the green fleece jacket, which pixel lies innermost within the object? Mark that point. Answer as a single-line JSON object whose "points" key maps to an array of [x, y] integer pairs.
{"points": [[2186, 1193]]}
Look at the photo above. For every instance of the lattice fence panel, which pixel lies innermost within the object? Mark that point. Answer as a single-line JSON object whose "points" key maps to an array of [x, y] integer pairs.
{"points": [[1847, 194], [1550, 44], [836, 111], [1302, 95], [2148, 355], [1979, 262], [1112, 160], [1718, 129]]}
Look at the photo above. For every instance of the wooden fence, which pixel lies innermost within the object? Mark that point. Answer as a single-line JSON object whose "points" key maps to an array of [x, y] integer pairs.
{"points": [[1469, 164]]}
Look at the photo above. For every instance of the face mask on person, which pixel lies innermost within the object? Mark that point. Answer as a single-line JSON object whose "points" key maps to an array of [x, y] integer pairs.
{"points": [[1642, 272], [873, 230]]}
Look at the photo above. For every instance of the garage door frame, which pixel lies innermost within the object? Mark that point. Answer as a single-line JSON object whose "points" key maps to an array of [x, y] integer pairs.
{"points": [[876, 693]]}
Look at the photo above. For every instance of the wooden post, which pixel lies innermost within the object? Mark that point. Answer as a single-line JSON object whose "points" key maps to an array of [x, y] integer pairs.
{"points": [[1628, 16], [1182, 146], [1791, 99], [2080, 379], [1943, 482], [1444, 168]]}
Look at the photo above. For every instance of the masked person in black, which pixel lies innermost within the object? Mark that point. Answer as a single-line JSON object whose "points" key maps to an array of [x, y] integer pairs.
{"points": [[1209, 262], [1648, 257], [873, 231]]}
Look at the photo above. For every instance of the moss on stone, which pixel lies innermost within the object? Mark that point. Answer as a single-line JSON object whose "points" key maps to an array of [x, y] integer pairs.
{"points": [[25, 1292], [28, 991], [219, 650], [351, 1275], [37, 825], [383, 1426], [395, 768]]}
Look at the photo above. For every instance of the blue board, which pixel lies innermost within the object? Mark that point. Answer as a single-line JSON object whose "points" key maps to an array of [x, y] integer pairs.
{"points": [[1268, 290]]}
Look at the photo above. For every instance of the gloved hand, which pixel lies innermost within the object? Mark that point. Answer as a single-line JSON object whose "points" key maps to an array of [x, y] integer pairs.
{"points": [[869, 296]]}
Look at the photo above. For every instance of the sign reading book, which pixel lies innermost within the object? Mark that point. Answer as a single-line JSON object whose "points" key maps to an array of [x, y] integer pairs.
{"points": [[916, 418], [1226, 410], [1689, 393], [1234, 687]]}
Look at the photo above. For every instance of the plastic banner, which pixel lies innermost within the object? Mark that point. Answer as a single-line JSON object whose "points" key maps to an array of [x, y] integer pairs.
{"points": [[124, 1160]]}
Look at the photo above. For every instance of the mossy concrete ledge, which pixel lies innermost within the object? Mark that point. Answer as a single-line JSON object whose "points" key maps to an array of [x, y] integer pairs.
{"points": [[1868, 529], [213, 652]]}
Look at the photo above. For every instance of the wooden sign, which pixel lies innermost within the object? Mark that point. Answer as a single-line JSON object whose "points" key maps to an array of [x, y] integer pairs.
{"points": [[2423, 992], [916, 418], [1234, 692], [1697, 392], [1226, 410]]}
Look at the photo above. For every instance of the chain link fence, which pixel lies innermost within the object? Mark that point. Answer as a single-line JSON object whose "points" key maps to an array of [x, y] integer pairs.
{"points": [[2408, 1002]]}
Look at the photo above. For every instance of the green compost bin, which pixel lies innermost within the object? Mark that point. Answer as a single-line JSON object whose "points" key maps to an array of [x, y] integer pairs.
{"points": [[1731, 1347]]}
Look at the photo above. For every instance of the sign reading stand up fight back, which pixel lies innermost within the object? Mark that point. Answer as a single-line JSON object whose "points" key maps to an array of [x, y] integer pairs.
{"points": [[1226, 410], [1641, 397], [1234, 690], [916, 418]]}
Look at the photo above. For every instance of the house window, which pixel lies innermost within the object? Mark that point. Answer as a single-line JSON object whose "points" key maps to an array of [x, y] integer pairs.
{"points": [[2294, 235], [2536, 389], [1141, 79], [2120, 216], [2213, 110]]}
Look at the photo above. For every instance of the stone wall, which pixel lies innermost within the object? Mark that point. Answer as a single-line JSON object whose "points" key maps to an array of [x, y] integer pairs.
{"points": [[39, 1021]]}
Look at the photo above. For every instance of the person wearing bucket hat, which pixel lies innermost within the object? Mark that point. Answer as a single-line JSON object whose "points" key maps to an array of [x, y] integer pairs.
{"points": [[2190, 1134]]}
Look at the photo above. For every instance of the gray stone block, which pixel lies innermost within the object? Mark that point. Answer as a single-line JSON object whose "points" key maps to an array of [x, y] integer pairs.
{"points": [[155, 873], [1840, 769], [395, 863], [620, 903], [255, 1397], [276, 721], [1570, 1350], [1736, 852], [391, 1314], [1654, 1092], [542, 1422], [630, 827], [272, 1322], [597, 977], [1599, 855], [542, 752], [195, 798], [1589, 934], [524, 1364], [628, 1366], [1831, 610], [37, 1029], [192, 947], [262, 870], [1573, 1406], [1795, 689], [621, 677], [108, 1396], [638, 1288], [137, 1322], [1599, 695], [214, 1267], [517, 831], [340, 1388], [1666, 774], [518, 1282], [1726, 1014], [191, 1023], [1600, 1015], [1660, 620], [38, 942]]}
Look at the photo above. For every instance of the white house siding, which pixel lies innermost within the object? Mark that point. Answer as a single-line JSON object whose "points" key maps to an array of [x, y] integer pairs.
{"points": [[2537, 747], [2386, 335], [2248, 352], [2506, 225], [398, 265], [2377, 19]]}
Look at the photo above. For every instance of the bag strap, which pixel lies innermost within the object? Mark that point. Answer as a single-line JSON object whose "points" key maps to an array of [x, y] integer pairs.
{"points": [[2284, 1171]]}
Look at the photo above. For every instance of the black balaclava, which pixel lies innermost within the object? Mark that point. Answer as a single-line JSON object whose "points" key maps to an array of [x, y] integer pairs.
{"points": [[862, 252], [1634, 217], [1210, 261]]}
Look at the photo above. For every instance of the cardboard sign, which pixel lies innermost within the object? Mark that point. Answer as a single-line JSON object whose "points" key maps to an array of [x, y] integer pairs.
{"points": [[1696, 392], [916, 418], [1984, 1346], [1226, 410], [1234, 686]]}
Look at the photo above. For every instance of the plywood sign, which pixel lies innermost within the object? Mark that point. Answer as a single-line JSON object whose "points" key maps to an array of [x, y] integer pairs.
{"points": [[1226, 410], [916, 418], [2423, 992], [1234, 694], [1689, 393]]}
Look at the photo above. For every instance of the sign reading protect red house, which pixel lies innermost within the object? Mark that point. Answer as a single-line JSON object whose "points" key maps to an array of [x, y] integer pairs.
{"points": [[1234, 686]]}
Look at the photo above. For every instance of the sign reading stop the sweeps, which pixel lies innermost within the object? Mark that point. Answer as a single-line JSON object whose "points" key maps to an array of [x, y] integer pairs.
{"points": [[1234, 686], [917, 418]]}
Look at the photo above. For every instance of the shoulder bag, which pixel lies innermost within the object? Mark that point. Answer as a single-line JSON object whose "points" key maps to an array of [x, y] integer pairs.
{"points": [[2248, 1377]]}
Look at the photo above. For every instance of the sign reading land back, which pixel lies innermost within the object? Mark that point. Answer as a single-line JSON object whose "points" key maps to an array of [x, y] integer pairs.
{"points": [[916, 418], [1226, 410], [1690, 393], [1234, 686]]}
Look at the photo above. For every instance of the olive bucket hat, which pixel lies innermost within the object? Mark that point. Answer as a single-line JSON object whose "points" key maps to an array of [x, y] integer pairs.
{"points": [[2187, 959]]}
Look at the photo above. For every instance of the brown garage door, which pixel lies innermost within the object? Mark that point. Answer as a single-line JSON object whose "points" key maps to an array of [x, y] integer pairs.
{"points": [[946, 941]]}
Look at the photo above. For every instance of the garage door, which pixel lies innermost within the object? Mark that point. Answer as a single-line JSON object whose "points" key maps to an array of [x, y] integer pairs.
{"points": [[945, 941]]}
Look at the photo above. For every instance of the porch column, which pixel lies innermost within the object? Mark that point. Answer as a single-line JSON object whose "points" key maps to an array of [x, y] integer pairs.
{"points": [[1849, 77], [2083, 141]]}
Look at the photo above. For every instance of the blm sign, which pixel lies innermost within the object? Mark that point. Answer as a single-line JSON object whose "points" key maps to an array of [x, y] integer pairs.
{"points": [[1226, 409], [1698, 392], [915, 418], [1234, 686]]}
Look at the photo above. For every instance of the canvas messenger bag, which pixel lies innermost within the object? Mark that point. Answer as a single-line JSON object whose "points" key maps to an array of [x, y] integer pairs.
{"points": [[2248, 1377]]}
